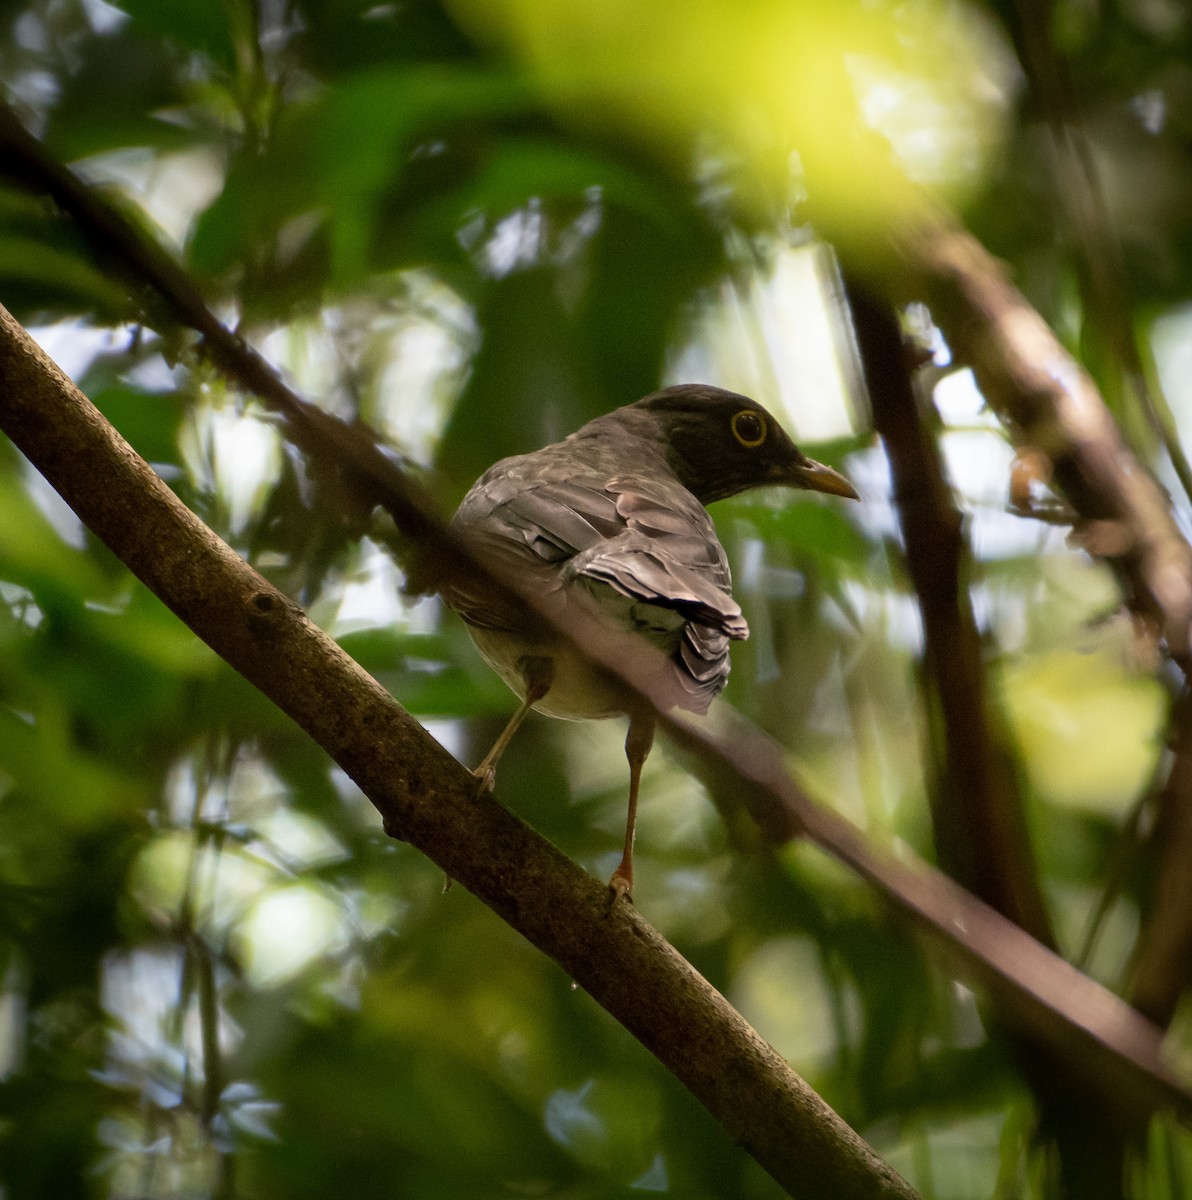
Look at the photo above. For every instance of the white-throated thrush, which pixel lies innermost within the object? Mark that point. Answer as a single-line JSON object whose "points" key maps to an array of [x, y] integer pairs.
{"points": [[612, 519]]}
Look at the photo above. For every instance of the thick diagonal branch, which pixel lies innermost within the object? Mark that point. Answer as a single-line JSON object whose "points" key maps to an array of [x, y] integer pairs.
{"points": [[425, 796]]}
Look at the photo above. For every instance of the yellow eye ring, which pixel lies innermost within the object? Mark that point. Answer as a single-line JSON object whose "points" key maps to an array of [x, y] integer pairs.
{"points": [[749, 428]]}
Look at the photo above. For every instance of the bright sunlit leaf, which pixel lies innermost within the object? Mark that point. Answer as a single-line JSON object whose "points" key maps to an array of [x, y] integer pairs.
{"points": [[859, 93], [1089, 728]]}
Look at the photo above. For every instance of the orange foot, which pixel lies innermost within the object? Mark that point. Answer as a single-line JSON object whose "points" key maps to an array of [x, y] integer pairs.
{"points": [[621, 886]]}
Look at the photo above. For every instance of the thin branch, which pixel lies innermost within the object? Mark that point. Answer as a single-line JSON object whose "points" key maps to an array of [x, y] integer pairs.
{"points": [[167, 293], [1162, 967], [1079, 192], [980, 826], [425, 796], [977, 806], [1048, 402]]}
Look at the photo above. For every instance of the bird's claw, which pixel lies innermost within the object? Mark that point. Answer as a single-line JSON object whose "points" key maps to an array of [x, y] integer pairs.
{"points": [[621, 886]]}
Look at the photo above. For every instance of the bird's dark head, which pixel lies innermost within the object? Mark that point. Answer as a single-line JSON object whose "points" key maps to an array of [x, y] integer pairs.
{"points": [[719, 443]]}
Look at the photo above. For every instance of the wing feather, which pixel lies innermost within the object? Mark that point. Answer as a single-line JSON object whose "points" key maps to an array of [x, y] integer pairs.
{"points": [[644, 548]]}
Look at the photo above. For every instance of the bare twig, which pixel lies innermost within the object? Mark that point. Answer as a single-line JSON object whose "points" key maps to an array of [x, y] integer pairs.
{"points": [[977, 806], [163, 287], [980, 828], [1047, 401], [1162, 967], [1079, 191]]}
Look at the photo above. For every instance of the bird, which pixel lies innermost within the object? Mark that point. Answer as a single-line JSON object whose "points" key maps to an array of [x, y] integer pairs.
{"points": [[613, 520]]}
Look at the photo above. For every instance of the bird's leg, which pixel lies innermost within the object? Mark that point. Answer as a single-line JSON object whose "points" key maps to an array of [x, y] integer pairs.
{"points": [[637, 745], [538, 673]]}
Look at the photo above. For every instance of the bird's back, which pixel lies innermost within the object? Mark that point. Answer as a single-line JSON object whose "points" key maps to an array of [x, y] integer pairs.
{"points": [[633, 546]]}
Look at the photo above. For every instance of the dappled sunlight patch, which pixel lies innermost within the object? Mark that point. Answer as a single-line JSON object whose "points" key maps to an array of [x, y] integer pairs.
{"points": [[287, 930], [297, 841], [774, 330], [956, 1157], [234, 457], [775, 78], [605, 1122], [216, 886], [156, 1041], [781, 990], [1089, 725], [173, 1156]]}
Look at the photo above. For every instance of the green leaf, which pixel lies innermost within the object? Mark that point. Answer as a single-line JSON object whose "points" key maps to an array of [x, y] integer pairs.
{"points": [[194, 24], [36, 275]]}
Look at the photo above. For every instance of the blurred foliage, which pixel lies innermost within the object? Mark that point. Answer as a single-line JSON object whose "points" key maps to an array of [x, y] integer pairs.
{"points": [[475, 226]]}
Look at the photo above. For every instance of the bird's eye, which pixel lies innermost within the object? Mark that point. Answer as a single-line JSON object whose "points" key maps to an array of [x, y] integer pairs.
{"points": [[749, 428]]}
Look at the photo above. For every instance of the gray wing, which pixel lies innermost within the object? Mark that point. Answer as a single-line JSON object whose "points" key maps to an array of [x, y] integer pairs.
{"points": [[645, 549], [528, 522]]}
